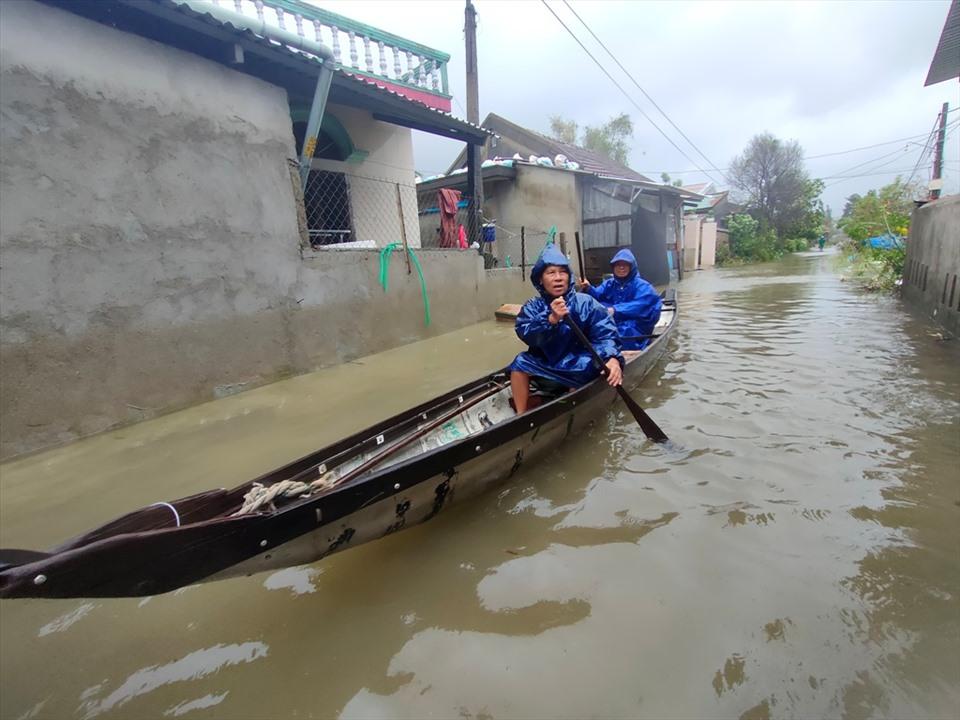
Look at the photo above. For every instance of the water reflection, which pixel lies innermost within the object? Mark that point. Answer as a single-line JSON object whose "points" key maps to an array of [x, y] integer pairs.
{"points": [[796, 559], [194, 666]]}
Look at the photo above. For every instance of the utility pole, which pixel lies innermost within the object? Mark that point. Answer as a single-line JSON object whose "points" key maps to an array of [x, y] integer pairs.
{"points": [[474, 172], [938, 153], [473, 91]]}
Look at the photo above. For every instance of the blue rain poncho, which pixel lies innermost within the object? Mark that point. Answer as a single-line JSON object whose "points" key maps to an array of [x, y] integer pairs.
{"points": [[636, 304], [555, 353]]}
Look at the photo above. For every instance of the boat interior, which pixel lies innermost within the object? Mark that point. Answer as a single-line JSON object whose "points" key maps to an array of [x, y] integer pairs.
{"points": [[451, 419]]}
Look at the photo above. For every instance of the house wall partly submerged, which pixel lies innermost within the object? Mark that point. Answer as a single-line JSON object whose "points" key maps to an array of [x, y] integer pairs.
{"points": [[150, 251], [930, 274]]}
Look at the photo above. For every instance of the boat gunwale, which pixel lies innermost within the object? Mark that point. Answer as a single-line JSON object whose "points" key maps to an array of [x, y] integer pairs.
{"points": [[307, 514]]}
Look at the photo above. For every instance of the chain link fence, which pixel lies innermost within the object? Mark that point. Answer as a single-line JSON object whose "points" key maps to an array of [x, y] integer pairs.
{"points": [[431, 225], [359, 211]]}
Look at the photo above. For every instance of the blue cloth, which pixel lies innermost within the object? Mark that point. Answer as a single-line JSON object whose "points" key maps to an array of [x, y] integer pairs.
{"points": [[885, 242], [555, 352], [636, 304]]}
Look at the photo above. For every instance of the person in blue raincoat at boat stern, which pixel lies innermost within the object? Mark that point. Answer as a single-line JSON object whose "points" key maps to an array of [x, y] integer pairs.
{"points": [[632, 302], [554, 352]]}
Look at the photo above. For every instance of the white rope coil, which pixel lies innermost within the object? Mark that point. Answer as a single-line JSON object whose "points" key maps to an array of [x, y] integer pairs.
{"points": [[261, 496]]}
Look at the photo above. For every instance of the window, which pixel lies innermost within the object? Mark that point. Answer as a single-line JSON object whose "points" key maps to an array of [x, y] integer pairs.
{"points": [[326, 200]]}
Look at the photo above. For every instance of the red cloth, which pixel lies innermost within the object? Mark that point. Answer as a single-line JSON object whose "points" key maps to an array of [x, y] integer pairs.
{"points": [[447, 201]]}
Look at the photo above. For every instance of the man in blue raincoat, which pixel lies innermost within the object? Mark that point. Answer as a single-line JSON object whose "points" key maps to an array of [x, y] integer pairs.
{"points": [[632, 302], [555, 352]]}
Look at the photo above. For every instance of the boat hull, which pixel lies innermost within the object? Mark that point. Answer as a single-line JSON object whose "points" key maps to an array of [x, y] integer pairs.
{"points": [[388, 500]]}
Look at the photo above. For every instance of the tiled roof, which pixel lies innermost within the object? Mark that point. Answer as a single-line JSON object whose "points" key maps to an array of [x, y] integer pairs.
{"points": [[541, 144]]}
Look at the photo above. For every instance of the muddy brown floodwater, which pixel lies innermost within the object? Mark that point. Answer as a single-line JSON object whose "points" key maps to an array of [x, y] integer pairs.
{"points": [[798, 556]]}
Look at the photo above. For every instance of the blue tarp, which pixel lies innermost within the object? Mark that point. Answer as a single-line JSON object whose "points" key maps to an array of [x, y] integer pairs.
{"points": [[885, 242]]}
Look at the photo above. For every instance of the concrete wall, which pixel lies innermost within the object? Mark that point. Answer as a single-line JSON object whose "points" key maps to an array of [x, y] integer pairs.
{"points": [[149, 243], [374, 181], [930, 275], [700, 237], [538, 198]]}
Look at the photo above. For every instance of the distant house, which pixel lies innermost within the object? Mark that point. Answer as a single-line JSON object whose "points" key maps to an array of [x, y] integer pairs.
{"points": [[157, 245], [705, 225], [532, 182]]}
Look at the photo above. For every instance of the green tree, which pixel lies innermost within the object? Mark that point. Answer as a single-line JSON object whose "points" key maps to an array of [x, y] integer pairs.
{"points": [[665, 177], [886, 210], [749, 241], [808, 222], [609, 139], [851, 201], [772, 182], [563, 130]]}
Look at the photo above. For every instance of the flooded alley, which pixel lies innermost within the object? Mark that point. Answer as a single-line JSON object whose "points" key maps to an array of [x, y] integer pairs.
{"points": [[795, 555]]}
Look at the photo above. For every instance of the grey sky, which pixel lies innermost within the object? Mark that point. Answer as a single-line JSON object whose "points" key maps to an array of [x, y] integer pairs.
{"points": [[832, 75]]}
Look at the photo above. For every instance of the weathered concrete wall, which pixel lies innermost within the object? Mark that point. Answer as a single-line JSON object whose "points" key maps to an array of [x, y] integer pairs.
{"points": [[374, 181], [149, 244], [538, 198], [930, 280]]}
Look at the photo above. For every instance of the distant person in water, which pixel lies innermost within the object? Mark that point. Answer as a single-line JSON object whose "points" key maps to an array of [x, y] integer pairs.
{"points": [[632, 302], [821, 241], [555, 354]]}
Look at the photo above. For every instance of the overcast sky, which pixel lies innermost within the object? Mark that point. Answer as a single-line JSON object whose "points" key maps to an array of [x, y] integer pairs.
{"points": [[832, 75]]}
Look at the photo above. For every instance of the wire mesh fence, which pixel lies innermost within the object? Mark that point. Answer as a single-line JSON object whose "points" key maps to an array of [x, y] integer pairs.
{"points": [[359, 211]]}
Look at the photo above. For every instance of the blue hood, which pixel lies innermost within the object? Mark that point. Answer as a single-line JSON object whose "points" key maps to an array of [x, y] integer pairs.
{"points": [[626, 256], [551, 255]]}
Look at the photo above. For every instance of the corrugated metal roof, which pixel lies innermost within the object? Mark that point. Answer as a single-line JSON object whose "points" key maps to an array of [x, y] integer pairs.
{"points": [[946, 60]]}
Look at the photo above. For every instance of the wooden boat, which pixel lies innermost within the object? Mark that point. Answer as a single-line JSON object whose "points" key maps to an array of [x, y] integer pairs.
{"points": [[395, 474]]}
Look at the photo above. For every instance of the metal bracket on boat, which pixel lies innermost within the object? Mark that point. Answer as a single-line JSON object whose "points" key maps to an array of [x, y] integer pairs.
{"points": [[176, 515], [379, 439]]}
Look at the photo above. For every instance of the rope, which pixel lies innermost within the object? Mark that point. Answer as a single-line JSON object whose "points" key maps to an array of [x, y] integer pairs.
{"points": [[384, 266], [260, 495]]}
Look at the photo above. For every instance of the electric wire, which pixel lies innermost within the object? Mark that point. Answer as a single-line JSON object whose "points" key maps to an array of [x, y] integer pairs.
{"points": [[624, 92], [928, 144], [951, 124], [653, 102]]}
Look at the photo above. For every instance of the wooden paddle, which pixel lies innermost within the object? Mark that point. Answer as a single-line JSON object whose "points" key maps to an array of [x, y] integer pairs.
{"points": [[646, 423]]}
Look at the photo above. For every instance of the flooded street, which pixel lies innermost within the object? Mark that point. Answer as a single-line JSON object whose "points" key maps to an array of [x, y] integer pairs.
{"points": [[797, 555]]}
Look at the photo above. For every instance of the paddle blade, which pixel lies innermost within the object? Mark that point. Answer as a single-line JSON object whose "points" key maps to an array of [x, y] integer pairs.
{"points": [[646, 423]]}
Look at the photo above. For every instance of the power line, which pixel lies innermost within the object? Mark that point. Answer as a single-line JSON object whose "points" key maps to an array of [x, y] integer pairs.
{"points": [[868, 147], [928, 145], [625, 94], [950, 125], [924, 153], [626, 72], [842, 173]]}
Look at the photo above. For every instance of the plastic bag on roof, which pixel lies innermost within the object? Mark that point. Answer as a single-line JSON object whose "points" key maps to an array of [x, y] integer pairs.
{"points": [[571, 165], [487, 163], [545, 161], [517, 156], [560, 160]]}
